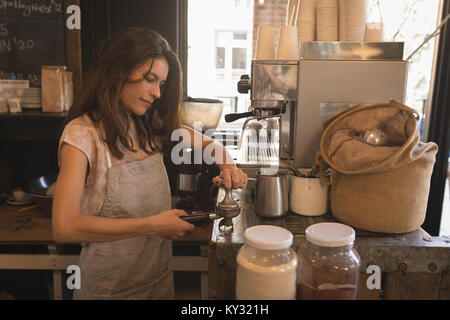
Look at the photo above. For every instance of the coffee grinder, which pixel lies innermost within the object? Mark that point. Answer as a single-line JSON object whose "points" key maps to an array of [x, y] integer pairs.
{"points": [[191, 180], [194, 184]]}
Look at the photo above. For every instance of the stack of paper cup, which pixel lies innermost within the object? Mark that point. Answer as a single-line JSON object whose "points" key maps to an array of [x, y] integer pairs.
{"points": [[287, 43], [265, 45], [355, 19], [341, 14], [374, 32], [327, 20], [306, 21]]}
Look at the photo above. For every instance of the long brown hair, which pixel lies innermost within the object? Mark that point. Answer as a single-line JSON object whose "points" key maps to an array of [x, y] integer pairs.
{"points": [[103, 85]]}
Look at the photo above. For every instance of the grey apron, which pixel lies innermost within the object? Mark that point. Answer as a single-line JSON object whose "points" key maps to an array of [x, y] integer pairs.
{"points": [[134, 268]]}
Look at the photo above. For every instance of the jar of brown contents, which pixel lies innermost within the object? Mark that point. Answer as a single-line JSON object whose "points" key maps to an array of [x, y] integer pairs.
{"points": [[328, 265]]}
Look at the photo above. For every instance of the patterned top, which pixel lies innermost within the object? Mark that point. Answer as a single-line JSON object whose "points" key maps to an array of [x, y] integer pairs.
{"points": [[84, 135]]}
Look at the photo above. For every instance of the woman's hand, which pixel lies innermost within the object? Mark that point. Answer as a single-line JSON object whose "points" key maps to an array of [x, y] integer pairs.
{"points": [[232, 177], [168, 224]]}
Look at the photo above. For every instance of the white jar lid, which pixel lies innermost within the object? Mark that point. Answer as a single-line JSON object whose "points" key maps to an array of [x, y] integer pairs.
{"points": [[268, 237], [330, 234]]}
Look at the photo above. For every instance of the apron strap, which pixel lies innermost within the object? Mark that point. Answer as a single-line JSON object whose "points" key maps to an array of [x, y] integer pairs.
{"points": [[108, 155]]}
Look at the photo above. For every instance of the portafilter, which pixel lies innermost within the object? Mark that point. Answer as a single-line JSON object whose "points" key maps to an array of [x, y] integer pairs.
{"points": [[227, 209]]}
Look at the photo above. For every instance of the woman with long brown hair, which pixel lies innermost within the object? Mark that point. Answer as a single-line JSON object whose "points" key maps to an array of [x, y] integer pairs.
{"points": [[112, 193]]}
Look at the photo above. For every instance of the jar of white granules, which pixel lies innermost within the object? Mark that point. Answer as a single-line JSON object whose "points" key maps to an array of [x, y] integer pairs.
{"points": [[266, 265]]}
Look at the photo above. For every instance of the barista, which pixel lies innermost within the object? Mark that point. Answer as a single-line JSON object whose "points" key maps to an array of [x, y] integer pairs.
{"points": [[112, 193]]}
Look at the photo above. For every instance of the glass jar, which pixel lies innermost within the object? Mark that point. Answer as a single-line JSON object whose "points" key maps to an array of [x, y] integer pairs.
{"points": [[328, 265], [266, 265]]}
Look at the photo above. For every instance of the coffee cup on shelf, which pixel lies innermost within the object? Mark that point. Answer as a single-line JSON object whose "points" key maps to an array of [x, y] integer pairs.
{"points": [[374, 32], [19, 195], [287, 43], [265, 45]]}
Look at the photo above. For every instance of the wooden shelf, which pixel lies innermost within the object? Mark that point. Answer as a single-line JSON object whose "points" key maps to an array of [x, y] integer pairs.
{"points": [[31, 125], [33, 113]]}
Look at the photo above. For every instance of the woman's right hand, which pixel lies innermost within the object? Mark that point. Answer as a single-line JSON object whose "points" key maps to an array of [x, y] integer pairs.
{"points": [[168, 225]]}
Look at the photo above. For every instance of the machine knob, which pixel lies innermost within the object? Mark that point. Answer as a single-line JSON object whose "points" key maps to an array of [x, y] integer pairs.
{"points": [[244, 84]]}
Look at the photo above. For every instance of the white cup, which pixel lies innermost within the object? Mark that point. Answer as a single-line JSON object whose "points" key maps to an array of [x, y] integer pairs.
{"points": [[374, 32], [19, 195], [287, 43], [265, 45], [308, 196]]}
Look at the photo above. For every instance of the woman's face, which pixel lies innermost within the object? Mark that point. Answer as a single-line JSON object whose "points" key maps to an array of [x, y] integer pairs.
{"points": [[138, 97]]}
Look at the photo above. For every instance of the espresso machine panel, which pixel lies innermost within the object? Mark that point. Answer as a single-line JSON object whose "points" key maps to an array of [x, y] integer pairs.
{"points": [[275, 86], [273, 81], [336, 84]]}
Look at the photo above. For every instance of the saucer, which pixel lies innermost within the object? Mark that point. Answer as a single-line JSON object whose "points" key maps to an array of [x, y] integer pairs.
{"points": [[14, 202]]}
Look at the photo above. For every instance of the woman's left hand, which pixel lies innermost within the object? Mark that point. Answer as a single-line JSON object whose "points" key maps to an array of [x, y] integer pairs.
{"points": [[232, 177]]}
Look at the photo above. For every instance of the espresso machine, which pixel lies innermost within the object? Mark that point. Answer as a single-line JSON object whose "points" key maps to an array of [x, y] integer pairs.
{"points": [[303, 94]]}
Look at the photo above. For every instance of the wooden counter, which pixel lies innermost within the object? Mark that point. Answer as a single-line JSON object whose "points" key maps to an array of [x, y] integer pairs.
{"points": [[29, 227], [413, 265], [33, 228]]}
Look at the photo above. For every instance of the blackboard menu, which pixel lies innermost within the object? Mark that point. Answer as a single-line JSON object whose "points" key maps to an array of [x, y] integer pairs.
{"points": [[31, 35]]}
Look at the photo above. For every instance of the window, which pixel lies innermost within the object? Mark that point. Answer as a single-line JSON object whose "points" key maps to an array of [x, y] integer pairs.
{"points": [[239, 36], [242, 3], [232, 54], [219, 52], [220, 63], [411, 22], [239, 58]]}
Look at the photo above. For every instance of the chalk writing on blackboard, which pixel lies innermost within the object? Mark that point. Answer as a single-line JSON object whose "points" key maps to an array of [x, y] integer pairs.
{"points": [[32, 34], [3, 30], [7, 45], [29, 7]]}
